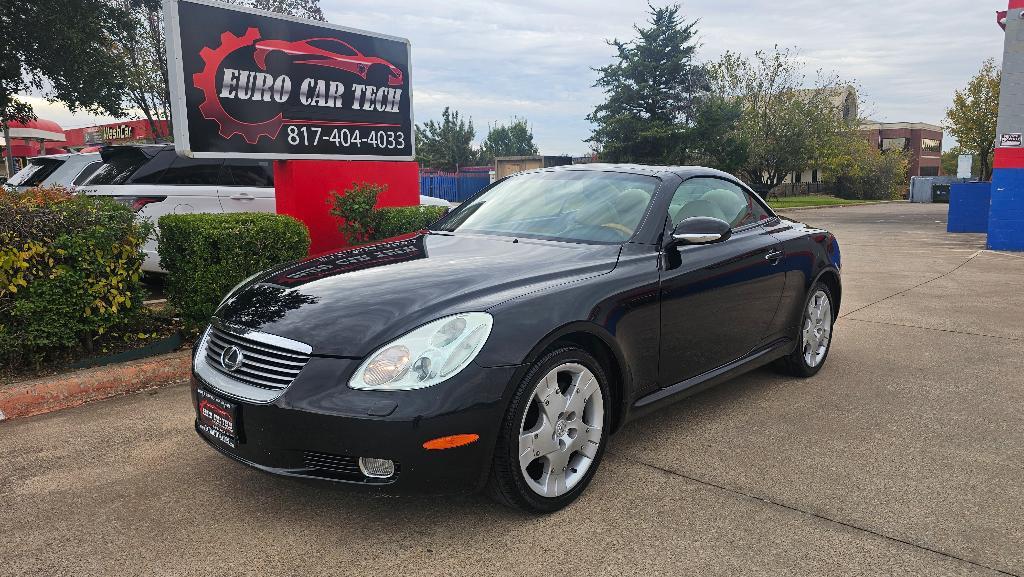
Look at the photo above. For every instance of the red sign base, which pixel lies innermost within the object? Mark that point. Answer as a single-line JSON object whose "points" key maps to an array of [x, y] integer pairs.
{"points": [[303, 190]]}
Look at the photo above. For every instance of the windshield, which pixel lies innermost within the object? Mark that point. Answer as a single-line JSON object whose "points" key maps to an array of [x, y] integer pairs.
{"points": [[570, 205], [35, 172]]}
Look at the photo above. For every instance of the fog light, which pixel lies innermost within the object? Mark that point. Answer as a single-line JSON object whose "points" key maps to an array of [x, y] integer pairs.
{"points": [[376, 468]]}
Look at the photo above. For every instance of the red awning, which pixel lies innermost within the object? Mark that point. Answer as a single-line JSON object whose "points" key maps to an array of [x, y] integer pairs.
{"points": [[38, 129]]}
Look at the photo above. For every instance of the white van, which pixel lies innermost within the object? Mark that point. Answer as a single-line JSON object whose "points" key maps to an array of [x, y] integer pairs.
{"points": [[67, 170], [155, 181]]}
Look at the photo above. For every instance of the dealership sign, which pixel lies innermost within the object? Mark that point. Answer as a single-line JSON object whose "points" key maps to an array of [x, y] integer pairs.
{"points": [[252, 84]]}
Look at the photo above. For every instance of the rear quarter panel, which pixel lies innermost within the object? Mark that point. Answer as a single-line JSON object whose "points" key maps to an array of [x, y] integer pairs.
{"points": [[810, 252]]}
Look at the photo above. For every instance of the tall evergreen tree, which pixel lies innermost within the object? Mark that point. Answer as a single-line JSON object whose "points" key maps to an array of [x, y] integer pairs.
{"points": [[448, 144], [651, 92]]}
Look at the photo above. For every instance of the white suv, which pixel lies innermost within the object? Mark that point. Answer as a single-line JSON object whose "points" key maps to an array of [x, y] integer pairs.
{"points": [[67, 170], [155, 181]]}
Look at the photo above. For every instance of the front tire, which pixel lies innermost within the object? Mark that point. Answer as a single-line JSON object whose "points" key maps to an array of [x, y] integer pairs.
{"points": [[815, 335], [554, 434]]}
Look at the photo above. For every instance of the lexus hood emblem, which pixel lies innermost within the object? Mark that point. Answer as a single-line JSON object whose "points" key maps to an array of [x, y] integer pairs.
{"points": [[231, 358]]}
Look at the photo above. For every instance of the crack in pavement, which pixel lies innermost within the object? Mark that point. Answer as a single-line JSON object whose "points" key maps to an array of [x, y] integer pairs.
{"points": [[819, 516], [951, 331], [905, 291]]}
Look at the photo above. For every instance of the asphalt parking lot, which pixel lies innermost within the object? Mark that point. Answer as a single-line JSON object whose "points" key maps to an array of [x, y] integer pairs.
{"points": [[904, 456]]}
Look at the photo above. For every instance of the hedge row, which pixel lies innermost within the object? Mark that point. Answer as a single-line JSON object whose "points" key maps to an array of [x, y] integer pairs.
{"points": [[206, 255], [70, 270]]}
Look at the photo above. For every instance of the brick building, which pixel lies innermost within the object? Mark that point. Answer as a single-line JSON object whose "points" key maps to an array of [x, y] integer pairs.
{"points": [[921, 141]]}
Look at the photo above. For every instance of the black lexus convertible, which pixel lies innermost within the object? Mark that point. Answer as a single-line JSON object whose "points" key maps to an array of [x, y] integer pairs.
{"points": [[500, 349]]}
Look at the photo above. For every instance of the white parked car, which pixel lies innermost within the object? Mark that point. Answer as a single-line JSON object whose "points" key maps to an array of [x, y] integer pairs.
{"points": [[155, 181], [67, 170]]}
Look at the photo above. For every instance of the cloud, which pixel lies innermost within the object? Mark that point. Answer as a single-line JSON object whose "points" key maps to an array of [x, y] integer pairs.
{"points": [[60, 114], [494, 59]]}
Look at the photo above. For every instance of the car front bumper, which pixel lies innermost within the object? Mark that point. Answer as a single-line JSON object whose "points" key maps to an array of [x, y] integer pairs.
{"points": [[319, 427]]}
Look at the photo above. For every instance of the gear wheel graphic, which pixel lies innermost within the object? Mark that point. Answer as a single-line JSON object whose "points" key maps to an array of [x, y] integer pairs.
{"points": [[211, 108]]}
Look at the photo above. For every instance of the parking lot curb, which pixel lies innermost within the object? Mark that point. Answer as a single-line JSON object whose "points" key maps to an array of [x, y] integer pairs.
{"points": [[55, 392], [821, 206]]}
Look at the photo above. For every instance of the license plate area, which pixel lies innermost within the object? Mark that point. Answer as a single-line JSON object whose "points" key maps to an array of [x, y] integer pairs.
{"points": [[218, 418]]}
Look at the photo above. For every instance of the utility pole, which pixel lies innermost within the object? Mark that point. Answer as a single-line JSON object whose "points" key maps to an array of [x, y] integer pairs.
{"points": [[9, 152]]}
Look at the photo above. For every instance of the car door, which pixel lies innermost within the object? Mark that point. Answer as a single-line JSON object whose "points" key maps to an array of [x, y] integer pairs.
{"points": [[247, 186], [717, 300], [190, 185]]}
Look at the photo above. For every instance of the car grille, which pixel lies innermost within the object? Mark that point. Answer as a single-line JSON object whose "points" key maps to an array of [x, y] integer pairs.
{"points": [[264, 366], [333, 466]]}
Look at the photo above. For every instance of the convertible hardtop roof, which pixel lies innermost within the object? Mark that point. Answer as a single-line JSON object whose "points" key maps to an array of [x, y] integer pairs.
{"points": [[649, 170]]}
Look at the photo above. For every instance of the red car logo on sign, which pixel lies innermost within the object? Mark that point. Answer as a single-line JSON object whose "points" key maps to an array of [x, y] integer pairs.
{"points": [[343, 56]]}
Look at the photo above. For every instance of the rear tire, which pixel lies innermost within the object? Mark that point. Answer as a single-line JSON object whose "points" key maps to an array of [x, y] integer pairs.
{"points": [[554, 434], [814, 338]]}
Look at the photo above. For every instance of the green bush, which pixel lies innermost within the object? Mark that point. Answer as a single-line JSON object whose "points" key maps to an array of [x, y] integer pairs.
{"points": [[361, 223], [206, 255], [70, 270], [396, 220], [862, 172]]}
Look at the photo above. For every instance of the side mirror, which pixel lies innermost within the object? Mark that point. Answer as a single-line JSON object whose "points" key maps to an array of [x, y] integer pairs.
{"points": [[701, 230]]}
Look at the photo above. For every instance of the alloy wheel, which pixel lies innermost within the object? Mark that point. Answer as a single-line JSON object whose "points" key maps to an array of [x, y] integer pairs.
{"points": [[817, 329], [560, 433]]}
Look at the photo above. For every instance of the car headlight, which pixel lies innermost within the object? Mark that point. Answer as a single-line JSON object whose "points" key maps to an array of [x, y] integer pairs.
{"points": [[425, 357], [237, 286]]}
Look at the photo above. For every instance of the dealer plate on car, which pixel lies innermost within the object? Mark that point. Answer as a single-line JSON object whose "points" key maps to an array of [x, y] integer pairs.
{"points": [[218, 418]]}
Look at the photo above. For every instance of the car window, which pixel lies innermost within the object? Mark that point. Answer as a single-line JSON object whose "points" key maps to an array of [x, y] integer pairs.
{"points": [[580, 205], [151, 172], [35, 172], [87, 172], [117, 168], [192, 171], [716, 198], [257, 173]]}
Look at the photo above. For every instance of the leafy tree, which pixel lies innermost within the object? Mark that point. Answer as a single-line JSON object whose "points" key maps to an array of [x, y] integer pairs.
{"points": [[785, 127], [140, 56], [515, 139], [951, 161], [446, 145], [650, 92], [309, 9], [141, 60], [715, 138], [972, 118], [61, 49], [857, 169]]}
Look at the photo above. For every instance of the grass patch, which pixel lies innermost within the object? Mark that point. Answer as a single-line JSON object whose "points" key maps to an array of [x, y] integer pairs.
{"points": [[810, 200]]}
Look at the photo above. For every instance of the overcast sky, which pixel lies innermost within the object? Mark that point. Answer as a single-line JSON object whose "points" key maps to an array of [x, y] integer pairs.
{"points": [[494, 59]]}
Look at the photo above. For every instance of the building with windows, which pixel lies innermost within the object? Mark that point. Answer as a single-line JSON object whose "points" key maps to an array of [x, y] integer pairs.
{"points": [[921, 141]]}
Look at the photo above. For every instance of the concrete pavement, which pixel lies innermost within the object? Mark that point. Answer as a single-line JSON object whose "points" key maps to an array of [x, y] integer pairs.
{"points": [[904, 456]]}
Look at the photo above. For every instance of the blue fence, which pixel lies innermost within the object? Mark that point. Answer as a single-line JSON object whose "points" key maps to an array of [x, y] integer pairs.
{"points": [[453, 187]]}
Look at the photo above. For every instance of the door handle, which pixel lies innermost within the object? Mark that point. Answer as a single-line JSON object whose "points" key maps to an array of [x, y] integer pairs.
{"points": [[242, 196], [774, 257]]}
